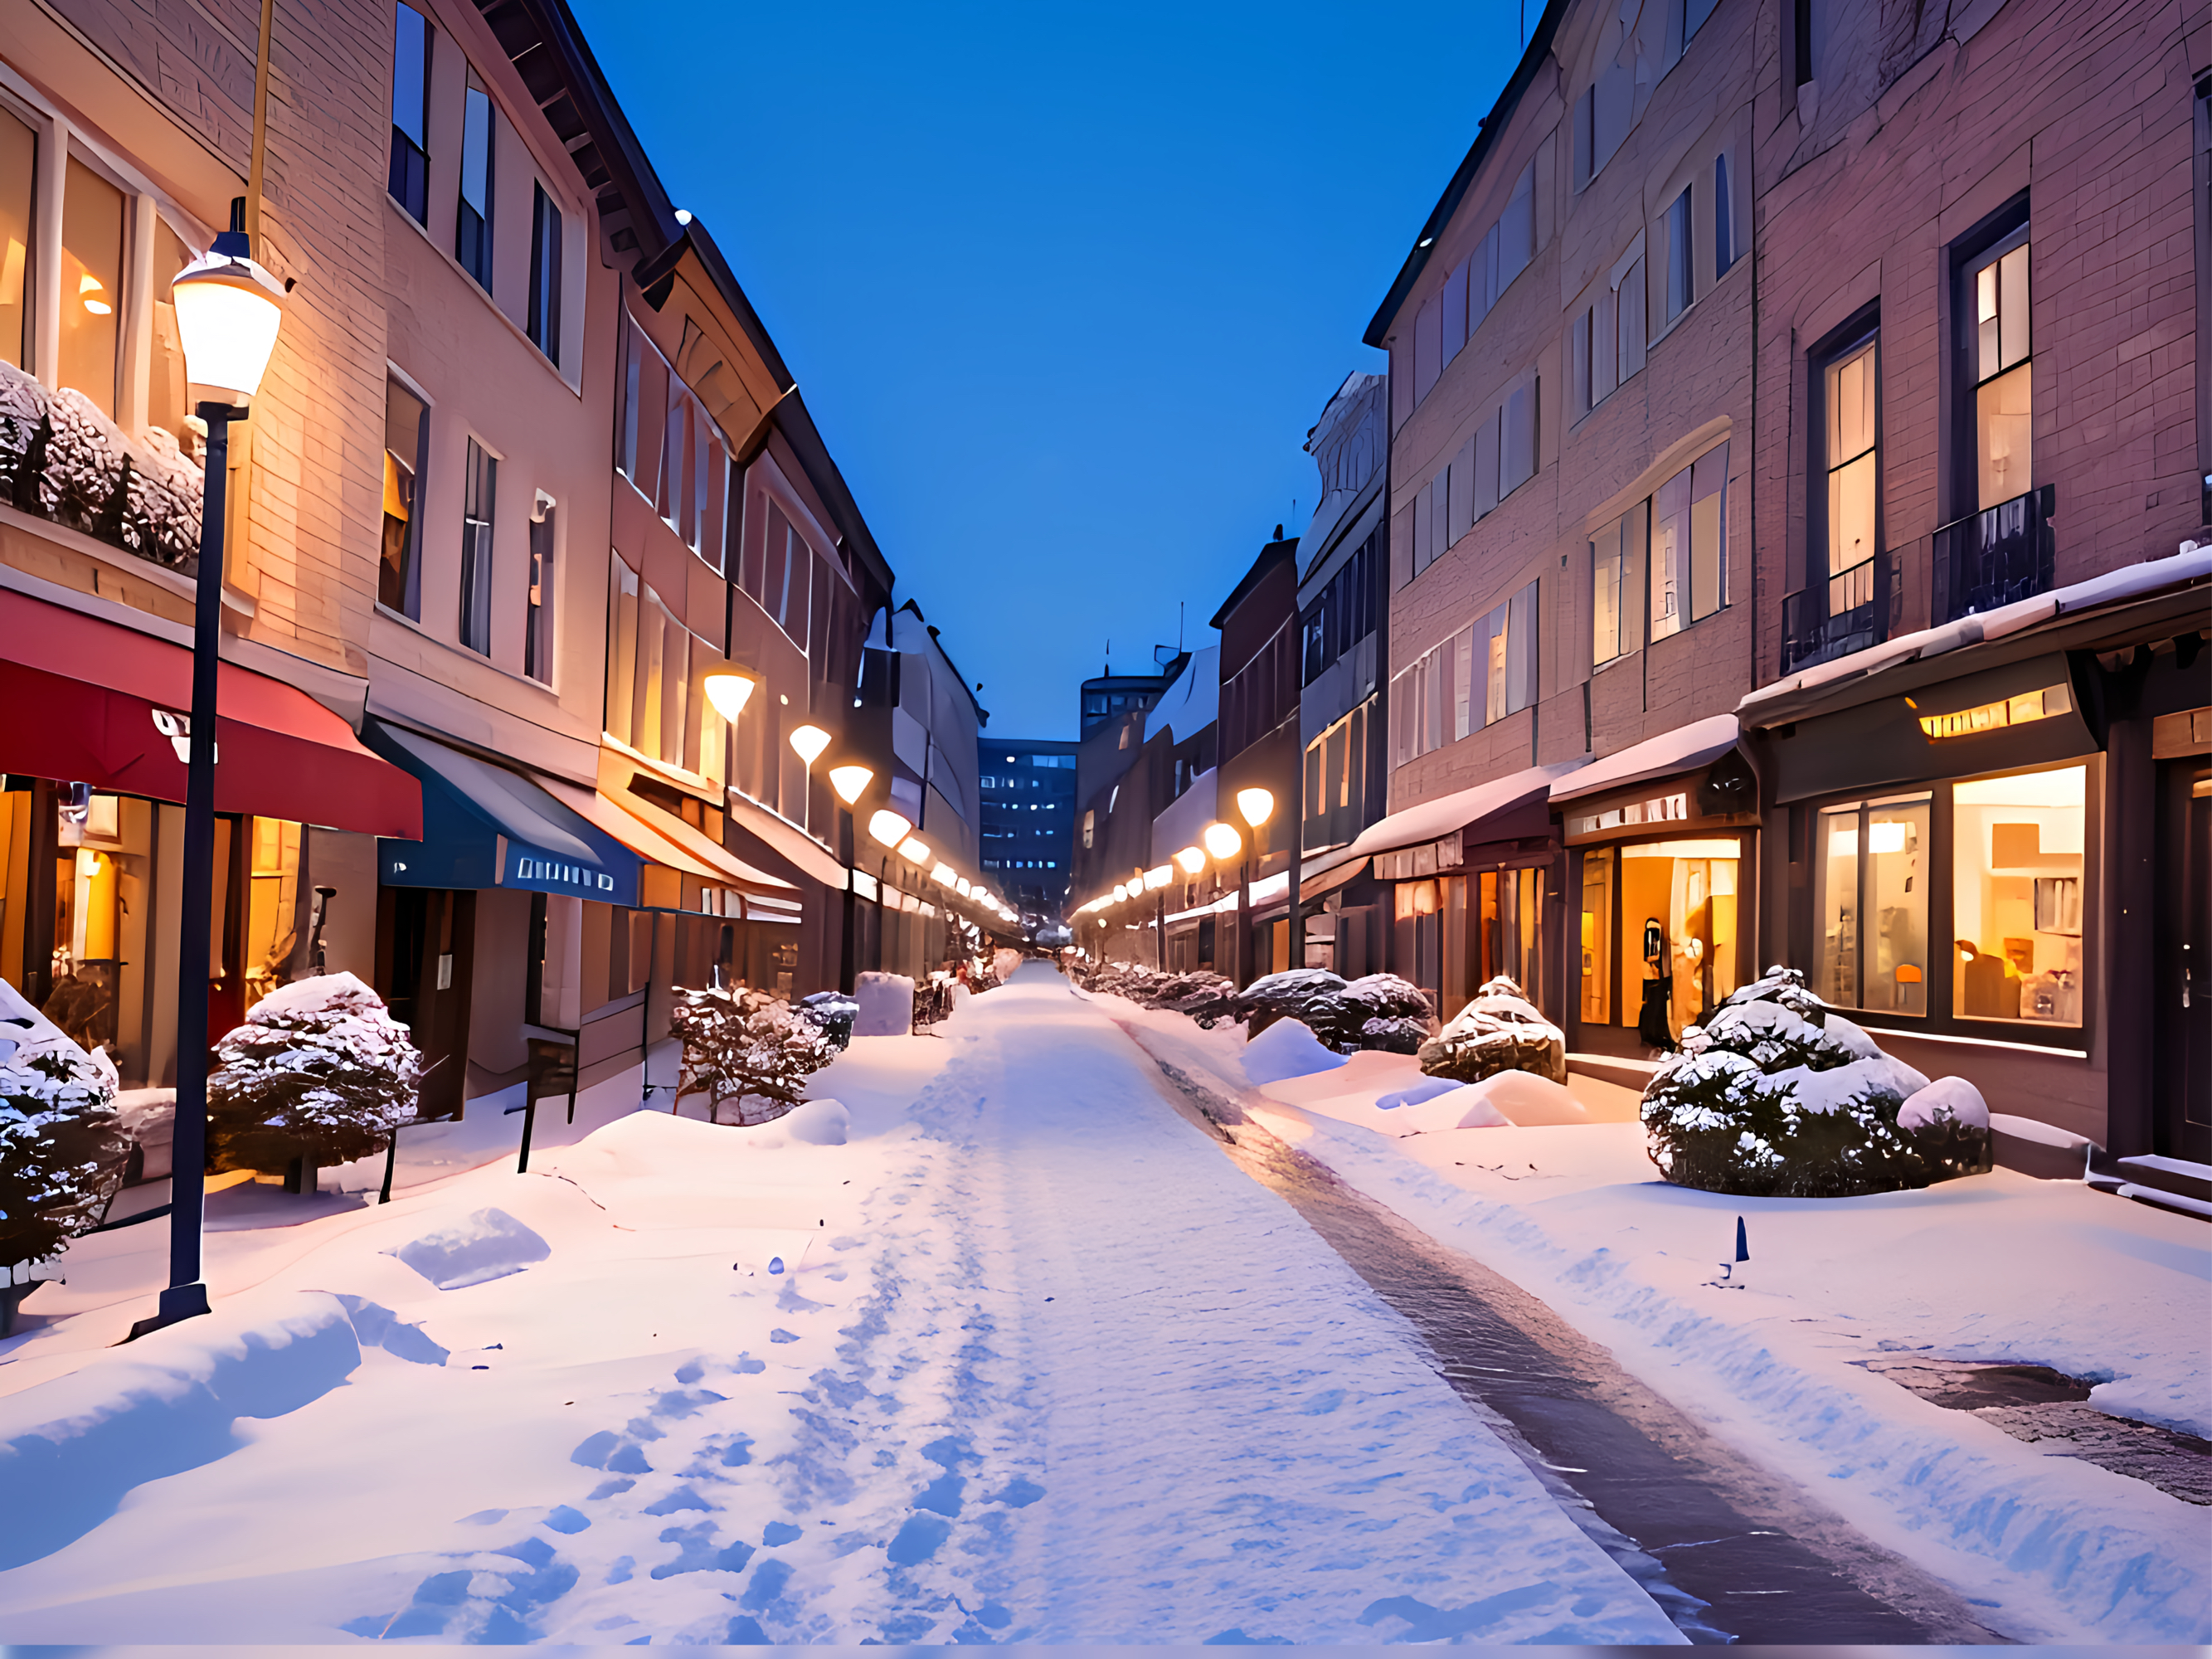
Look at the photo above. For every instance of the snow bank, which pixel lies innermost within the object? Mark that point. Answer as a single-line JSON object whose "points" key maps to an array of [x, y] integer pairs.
{"points": [[1427, 1089], [1460, 1107], [70, 1448], [818, 1123], [886, 1004], [487, 1245], [2033, 1272], [1287, 1049]]}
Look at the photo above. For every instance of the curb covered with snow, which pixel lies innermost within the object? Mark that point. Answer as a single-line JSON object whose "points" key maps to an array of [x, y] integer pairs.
{"points": [[2050, 1548], [71, 1448]]}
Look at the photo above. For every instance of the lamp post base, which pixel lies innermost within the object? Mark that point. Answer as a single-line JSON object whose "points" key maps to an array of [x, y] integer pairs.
{"points": [[179, 1303]]}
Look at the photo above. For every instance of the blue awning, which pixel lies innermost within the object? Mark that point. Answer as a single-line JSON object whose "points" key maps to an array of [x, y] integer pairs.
{"points": [[484, 826]]}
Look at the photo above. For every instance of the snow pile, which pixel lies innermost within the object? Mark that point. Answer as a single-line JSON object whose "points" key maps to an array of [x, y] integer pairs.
{"points": [[884, 1006], [746, 1047], [320, 1070], [72, 1447], [1778, 1095], [1458, 1106], [487, 1245], [61, 1146], [1207, 997], [1287, 1049], [1500, 1031]]}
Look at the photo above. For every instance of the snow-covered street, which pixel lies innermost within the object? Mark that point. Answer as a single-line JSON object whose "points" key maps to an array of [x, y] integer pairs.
{"points": [[1024, 1358]]}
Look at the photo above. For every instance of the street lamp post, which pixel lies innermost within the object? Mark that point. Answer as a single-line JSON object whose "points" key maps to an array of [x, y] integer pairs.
{"points": [[228, 310], [1224, 843], [1256, 806], [848, 782]]}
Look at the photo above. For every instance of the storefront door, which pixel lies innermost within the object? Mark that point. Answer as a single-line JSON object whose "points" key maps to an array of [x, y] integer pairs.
{"points": [[2181, 972]]}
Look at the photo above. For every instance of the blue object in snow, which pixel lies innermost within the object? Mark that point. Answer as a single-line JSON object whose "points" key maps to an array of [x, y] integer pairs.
{"points": [[1742, 1244], [776, 1264]]}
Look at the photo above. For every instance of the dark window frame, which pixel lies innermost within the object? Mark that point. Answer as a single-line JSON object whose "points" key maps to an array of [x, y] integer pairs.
{"points": [[545, 259], [408, 176]]}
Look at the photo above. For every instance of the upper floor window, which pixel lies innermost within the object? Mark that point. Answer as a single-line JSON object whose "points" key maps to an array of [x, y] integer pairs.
{"points": [[19, 167], [2002, 376], [92, 285], [1851, 429], [545, 319], [1724, 248], [409, 179], [1663, 563], [406, 429], [669, 448], [1473, 288], [537, 613], [1478, 676], [472, 233], [479, 491], [1344, 615], [1617, 554], [1496, 460], [1681, 267]]}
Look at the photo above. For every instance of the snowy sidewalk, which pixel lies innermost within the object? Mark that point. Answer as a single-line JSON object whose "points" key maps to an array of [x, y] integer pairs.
{"points": [[1995, 1268], [1042, 1365]]}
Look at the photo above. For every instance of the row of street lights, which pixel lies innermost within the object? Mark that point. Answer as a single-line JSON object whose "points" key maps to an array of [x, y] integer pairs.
{"points": [[1219, 842]]}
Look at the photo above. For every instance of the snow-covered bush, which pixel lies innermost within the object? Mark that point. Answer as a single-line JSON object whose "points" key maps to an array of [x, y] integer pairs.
{"points": [[1206, 998], [318, 1071], [749, 1048], [1500, 1031], [1380, 1010], [1777, 1095], [62, 1147]]}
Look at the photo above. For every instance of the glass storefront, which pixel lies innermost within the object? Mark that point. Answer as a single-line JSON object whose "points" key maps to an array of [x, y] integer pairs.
{"points": [[1998, 866], [1660, 928], [1871, 877], [1455, 931], [2017, 845]]}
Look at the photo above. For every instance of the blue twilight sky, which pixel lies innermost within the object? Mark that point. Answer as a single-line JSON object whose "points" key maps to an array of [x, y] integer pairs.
{"points": [[1065, 286]]}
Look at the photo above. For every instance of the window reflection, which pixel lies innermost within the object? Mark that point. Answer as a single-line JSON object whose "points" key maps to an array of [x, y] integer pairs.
{"points": [[91, 284], [1873, 893]]}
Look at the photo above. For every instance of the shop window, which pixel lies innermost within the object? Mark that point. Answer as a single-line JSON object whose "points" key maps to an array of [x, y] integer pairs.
{"points": [[406, 428], [19, 167], [472, 232], [1506, 925], [544, 316], [2002, 375], [479, 493], [1597, 936], [91, 284], [272, 906], [1679, 922], [409, 178], [1870, 883], [2017, 875]]}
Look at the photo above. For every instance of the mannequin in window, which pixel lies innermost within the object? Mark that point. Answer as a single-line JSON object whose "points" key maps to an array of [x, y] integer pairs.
{"points": [[1658, 987]]}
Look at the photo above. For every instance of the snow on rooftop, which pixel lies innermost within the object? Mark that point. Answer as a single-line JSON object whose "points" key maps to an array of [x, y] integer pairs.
{"points": [[1192, 700]]}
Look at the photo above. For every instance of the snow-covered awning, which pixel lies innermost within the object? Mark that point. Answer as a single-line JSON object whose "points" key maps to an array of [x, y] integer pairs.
{"points": [[1682, 750], [1784, 699], [1503, 809]]}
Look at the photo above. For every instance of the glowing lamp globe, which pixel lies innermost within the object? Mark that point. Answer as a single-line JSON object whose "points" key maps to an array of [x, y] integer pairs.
{"points": [[1156, 880], [915, 849], [850, 781], [808, 741], [1192, 859], [1222, 841], [729, 691], [227, 312], [1256, 806], [886, 828]]}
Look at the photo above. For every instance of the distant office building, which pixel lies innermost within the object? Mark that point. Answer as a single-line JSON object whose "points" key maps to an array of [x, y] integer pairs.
{"points": [[1028, 825], [1111, 695]]}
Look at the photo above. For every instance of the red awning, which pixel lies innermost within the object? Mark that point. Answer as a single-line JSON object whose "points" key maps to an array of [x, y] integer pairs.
{"points": [[78, 702]]}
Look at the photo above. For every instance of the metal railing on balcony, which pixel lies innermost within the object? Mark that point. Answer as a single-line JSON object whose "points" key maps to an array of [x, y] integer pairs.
{"points": [[1995, 556], [1851, 611]]}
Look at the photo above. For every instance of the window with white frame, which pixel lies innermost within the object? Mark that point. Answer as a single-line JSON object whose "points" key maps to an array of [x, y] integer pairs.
{"points": [[1472, 289], [1689, 544], [1478, 676], [672, 451], [2002, 373], [479, 496], [1496, 460], [1617, 556]]}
